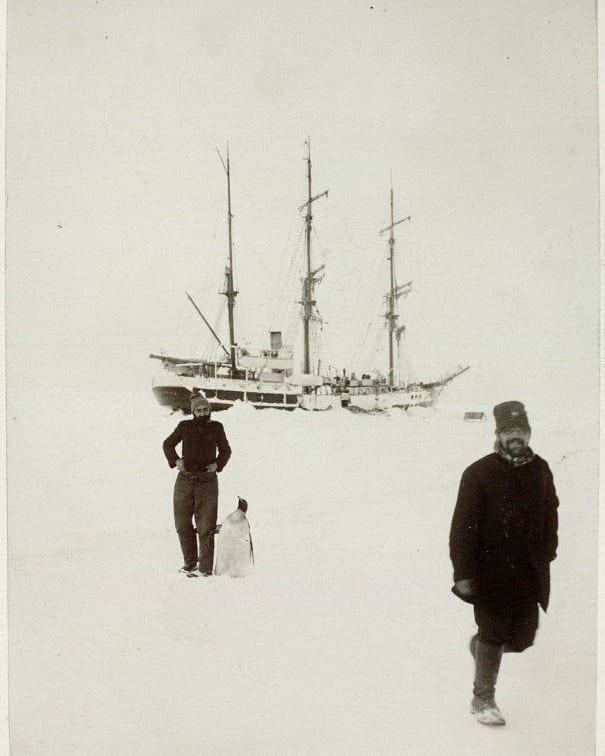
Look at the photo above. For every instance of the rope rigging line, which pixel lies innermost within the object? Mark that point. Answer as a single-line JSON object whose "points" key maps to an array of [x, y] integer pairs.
{"points": [[273, 303], [286, 300], [183, 335], [418, 308], [430, 340], [374, 298]]}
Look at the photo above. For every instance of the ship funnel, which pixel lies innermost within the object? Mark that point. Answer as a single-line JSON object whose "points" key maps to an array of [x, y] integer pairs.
{"points": [[276, 341]]}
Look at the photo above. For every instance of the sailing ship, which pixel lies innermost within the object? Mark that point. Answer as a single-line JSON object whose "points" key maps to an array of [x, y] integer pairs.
{"points": [[375, 394], [265, 378]]}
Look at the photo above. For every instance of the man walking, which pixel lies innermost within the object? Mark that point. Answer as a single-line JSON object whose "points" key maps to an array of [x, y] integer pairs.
{"points": [[205, 451], [503, 537]]}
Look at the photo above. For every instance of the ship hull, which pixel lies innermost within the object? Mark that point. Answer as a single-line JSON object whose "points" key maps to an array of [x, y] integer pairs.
{"points": [[175, 397], [377, 399], [224, 394]]}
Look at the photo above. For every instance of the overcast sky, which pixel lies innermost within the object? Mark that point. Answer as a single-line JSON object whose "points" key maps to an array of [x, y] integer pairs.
{"points": [[483, 115]]}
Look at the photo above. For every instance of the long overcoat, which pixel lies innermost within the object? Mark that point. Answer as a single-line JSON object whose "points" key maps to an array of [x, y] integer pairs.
{"points": [[504, 531]]}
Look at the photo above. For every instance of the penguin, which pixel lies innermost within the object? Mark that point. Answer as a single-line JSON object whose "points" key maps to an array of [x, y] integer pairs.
{"points": [[234, 552]]}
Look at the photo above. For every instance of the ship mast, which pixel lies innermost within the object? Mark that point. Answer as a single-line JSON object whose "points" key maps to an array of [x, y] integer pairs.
{"points": [[311, 277], [230, 292], [395, 292]]}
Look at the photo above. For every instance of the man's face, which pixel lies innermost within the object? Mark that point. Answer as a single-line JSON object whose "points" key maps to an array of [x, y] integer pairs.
{"points": [[514, 441], [202, 411]]}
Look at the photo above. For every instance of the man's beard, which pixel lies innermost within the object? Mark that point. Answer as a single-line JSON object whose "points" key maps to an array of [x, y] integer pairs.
{"points": [[201, 419], [516, 447]]}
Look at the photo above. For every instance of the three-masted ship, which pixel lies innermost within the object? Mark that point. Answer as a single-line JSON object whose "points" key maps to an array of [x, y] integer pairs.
{"points": [[269, 378]]}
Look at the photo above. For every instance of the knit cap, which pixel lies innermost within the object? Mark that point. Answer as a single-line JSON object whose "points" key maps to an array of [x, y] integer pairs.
{"points": [[510, 415], [199, 400]]}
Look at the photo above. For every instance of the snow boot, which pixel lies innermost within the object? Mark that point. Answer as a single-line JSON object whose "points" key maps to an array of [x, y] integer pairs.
{"points": [[188, 541], [206, 552], [189, 571], [487, 665]]}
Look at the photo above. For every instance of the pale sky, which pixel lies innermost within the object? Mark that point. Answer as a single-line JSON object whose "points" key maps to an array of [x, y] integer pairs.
{"points": [[484, 115]]}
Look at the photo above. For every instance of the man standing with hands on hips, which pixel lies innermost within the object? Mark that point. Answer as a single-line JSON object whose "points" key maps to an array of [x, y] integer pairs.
{"points": [[503, 537], [205, 451]]}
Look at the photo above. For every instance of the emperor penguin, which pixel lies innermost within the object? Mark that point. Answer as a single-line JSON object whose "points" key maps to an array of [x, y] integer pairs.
{"points": [[234, 552]]}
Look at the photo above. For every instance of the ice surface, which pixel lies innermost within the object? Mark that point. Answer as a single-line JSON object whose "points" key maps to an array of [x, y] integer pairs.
{"points": [[345, 638]]}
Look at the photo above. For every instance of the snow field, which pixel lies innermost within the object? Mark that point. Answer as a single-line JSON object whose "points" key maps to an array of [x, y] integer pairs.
{"points": [[345, 638]]}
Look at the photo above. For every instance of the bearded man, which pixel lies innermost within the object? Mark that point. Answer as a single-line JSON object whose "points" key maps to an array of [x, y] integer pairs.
{"points": [[205, 452], [503, 537]]}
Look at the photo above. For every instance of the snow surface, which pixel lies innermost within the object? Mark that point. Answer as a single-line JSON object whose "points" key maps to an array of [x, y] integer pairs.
{"points": [[345, 639]]}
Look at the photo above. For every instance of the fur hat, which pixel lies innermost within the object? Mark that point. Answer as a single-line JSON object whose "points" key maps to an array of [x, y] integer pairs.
{"points": [[199, 400], [510, 415]]}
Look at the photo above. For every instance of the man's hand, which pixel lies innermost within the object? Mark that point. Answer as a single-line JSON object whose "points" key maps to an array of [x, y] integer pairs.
{"points": [[211, 467], [180, 465], [465, 589]]}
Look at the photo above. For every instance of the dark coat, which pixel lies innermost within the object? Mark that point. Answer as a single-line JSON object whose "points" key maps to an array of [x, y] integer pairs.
{"points": [[504, 531], [201, 441]]}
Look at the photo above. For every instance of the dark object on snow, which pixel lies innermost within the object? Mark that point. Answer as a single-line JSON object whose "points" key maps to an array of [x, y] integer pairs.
{"points": [[474, 416]]}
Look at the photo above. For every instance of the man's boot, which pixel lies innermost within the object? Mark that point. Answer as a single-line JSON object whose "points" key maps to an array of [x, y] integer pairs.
{"points": [[188, 543], [206, 553], [487, 665]]}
